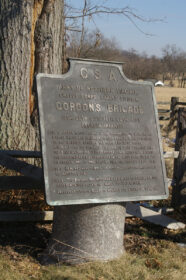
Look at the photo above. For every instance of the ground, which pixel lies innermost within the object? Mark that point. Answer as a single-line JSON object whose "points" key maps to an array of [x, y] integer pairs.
{"points": [[165, 93], [152, 252]]}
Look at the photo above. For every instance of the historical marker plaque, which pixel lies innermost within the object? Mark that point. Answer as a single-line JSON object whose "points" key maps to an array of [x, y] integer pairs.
{"points": [[100, 136]]}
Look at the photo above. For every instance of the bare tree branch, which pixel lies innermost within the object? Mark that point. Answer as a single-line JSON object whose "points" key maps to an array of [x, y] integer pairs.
{"points": [[90, 10], [82, 28], [96, 10]]}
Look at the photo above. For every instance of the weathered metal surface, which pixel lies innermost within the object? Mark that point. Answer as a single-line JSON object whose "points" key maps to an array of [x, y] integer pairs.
{"points": [[100, 136]]}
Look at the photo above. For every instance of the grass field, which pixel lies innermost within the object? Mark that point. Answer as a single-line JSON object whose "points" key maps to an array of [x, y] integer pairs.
{"points": [[152, 252], [165, 93], [155, 266]]}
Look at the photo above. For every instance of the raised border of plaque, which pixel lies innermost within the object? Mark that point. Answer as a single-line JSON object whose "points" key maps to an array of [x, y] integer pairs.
{"points": [[100, 136]]}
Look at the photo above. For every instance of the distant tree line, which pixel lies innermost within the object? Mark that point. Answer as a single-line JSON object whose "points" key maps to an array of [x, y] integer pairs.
{"points": [[170, 66]]}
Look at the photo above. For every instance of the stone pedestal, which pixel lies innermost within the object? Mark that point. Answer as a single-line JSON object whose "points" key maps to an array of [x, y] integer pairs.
{"points": [[83, 233]]}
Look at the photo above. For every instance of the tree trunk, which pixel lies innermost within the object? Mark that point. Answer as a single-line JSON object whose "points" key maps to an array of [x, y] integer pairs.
{"points": [[30, 42], [48, 45], [15, 47]]}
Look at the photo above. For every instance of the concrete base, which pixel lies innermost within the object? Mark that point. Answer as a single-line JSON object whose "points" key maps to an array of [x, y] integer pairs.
{"points": [[83, 233]]}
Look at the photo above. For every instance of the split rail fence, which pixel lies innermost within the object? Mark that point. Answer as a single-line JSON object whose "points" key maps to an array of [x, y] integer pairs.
{"points": [[32, 176]]}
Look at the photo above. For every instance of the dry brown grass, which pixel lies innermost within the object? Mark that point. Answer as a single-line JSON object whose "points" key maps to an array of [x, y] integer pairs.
{"points": [[163, 262], [165, 93]]}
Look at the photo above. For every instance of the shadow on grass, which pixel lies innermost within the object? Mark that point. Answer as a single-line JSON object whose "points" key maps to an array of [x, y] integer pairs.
{"points": [[25, 238], [31, 238]]}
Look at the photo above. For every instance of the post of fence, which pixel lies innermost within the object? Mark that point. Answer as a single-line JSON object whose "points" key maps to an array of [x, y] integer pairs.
{"points": [[173, 110], [173, 106], [179, 189]]}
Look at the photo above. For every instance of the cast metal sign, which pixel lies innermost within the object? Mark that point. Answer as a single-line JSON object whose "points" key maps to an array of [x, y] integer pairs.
{"points": [[100, 136]]}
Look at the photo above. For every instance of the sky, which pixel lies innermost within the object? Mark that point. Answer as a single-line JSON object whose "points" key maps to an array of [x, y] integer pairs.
{"points": [[170, 29]]}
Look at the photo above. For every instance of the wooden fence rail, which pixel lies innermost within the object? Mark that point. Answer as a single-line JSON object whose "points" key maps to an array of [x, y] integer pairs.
{"points": [[174, 106], [32, 176]]}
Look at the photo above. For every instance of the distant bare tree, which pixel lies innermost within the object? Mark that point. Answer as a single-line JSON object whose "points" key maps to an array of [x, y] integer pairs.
{"points": [[76, 18], [174, 61], [95, 46]]}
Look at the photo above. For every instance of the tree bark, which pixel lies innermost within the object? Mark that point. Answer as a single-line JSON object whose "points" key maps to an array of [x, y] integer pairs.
{"points": [[15, 47], [31, 42], [48, 45], [48, 38]]}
